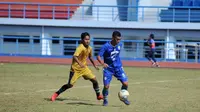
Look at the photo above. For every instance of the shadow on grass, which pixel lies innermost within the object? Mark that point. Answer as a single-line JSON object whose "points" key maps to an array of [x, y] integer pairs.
{"points": [[89, 104], [63, 99], [83, 103], [79, 102]]}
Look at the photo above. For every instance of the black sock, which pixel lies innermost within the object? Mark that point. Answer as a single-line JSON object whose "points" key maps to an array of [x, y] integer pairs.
{"points": [[124, 87], [63, 88], [96, 87]]}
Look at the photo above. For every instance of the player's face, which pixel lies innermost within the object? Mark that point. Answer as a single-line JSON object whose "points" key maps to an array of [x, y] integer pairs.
{"points": [[117, 39], [86, 41]]}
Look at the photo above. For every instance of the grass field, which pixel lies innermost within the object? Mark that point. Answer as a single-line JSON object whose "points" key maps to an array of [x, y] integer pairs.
{"points": [[28, 87]]}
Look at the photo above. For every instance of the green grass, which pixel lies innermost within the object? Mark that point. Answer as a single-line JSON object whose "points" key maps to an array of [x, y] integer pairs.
{"points": [[28, 87]]}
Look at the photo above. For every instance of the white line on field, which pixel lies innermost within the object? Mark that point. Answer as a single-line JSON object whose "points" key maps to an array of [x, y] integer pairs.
{"points": [[88, 86]]}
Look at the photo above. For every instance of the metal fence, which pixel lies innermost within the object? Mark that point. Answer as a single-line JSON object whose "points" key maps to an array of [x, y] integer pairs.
{"points": [[100, 12], [65, 47]]}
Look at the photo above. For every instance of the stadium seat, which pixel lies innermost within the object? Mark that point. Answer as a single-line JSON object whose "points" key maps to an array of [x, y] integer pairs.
{"points": [[177, 3], [42, 11], [181, 14]]}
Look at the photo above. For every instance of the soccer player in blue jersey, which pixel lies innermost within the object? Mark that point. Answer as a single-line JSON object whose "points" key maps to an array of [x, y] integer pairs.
{"points": [[112, 65]]}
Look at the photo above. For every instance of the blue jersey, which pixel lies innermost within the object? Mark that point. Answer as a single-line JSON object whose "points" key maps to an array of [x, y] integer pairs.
{"points": [[111, 54], [111, 57], [152, 44]]}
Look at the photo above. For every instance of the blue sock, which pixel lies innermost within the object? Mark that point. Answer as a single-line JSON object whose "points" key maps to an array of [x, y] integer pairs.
{"points": [[105, 93]]}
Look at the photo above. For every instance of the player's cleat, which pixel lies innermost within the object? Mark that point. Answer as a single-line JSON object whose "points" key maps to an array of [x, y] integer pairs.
{"points": [[153, 64], [100, 97], [105, 102], [126, 101], [54, 96], [158, 66]]}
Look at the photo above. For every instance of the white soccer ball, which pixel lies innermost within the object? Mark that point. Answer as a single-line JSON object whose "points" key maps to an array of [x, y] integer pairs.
{"points": [[123, 94]]}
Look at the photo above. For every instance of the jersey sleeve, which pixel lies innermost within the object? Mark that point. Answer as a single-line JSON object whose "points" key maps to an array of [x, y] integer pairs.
{"points": [[151, 41], [120, 47], [102, 51], [78, 51]]}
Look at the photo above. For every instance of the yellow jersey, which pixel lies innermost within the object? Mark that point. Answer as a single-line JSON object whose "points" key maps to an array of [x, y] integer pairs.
{"points": [[82, 53]]}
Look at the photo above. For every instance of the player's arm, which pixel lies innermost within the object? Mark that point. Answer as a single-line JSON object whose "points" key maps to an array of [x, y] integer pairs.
{"points": [[101, 53], [148, 42], [151, 43], [92, 60], [75, 56], [76, 59]]}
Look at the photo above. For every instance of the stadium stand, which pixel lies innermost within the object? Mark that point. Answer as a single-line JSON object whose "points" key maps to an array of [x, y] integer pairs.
{"points": [[41, 11], [179, 11]]}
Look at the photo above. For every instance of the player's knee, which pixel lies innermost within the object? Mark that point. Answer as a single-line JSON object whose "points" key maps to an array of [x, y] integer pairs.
{"points": [[106, 87], [69, 85], [94, 81], [125, 83]]}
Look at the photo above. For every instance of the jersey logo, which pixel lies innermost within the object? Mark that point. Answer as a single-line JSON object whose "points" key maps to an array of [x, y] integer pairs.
{"points": [[114, 54], [123, 75], [119, 47], [105, 78]]}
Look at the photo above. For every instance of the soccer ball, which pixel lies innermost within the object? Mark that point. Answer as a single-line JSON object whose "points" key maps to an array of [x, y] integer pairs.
{"points": [[123, 94]]}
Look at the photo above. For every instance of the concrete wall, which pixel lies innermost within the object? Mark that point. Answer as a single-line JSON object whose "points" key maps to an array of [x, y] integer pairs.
{"points": [[151, 14], [28, 49], [105, 13]]}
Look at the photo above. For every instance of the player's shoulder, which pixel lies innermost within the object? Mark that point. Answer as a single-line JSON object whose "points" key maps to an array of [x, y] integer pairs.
{"points": [[80, 47], [106, 45], [152, 40], [120, 44], [89, 47]]}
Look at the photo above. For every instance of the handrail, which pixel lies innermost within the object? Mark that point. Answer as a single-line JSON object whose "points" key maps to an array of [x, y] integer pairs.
{"points": [[125, 6]]}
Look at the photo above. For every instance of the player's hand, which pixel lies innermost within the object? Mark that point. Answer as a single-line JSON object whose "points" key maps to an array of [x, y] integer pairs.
{"points": [[82, 66], [105, 65]]}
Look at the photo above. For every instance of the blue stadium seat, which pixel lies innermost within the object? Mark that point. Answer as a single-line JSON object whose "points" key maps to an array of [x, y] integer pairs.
{"points": [[177, 3], [181, 14], [196, 3], [185, 3], [195, 15]]}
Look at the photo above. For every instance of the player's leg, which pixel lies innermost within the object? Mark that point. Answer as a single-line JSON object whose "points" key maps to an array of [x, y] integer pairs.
{"points": [[96, 88], [153, 58], [122, 77], [107, 77], [88, 75], [149, 56], [72, 79]]}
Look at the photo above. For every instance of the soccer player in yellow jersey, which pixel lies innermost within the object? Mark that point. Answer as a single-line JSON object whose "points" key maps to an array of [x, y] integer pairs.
{"points": [[79, 67]]}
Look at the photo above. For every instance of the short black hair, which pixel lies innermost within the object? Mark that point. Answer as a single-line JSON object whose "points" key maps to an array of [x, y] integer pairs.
{"points": [[116, 34], [151, 35], [83, 35]]}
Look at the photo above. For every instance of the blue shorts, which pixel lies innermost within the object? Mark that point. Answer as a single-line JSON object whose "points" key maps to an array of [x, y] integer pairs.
{"points": [[117, 72]]}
